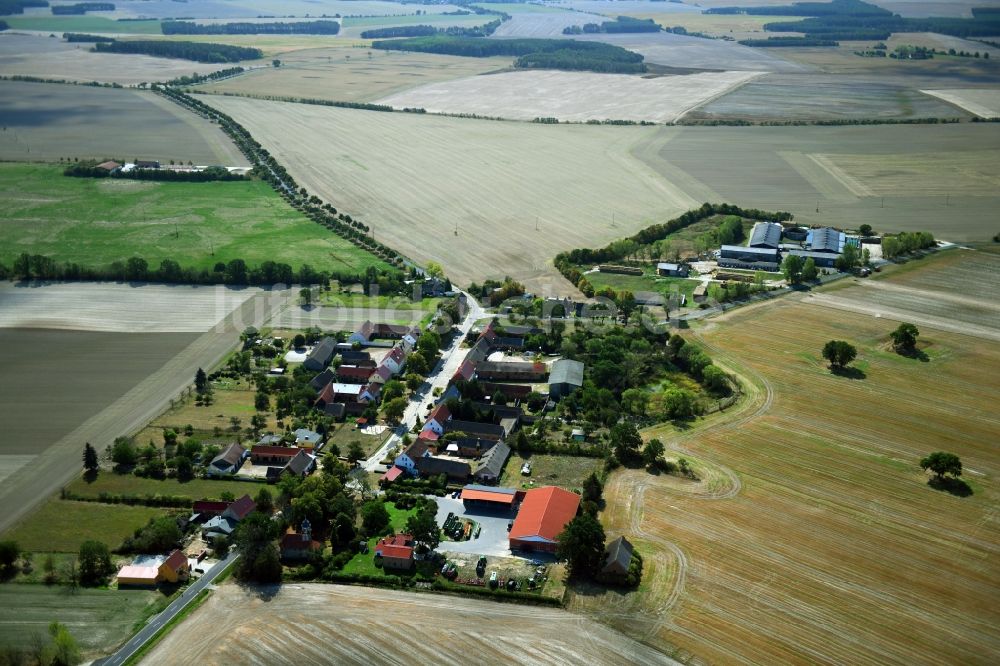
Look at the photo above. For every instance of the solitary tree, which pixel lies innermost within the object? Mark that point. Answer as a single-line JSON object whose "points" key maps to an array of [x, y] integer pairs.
{"points": [[581, 544], [653, 452], [809, 271], [306, 294], [374, 516], [792, 268], [904, 338], [423, 527], [200, 381], [626, 441], [839, 353], [95, 563], [90, 462], [355, 452], [942, 464]]}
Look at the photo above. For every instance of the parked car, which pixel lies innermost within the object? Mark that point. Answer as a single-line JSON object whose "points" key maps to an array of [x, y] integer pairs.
{"points": [[510, 525]]}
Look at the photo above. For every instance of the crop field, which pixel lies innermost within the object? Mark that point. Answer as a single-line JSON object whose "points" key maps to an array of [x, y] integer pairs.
{"points": [[983, 102], [100, 620], [400, 174], [351, 75], [47, 23], [46, 121], [819, 541], [572, 96], [62, 525], [195, 224], [339, 622]]}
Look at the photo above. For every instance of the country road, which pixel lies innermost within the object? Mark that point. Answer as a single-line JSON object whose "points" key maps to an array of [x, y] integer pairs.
{"points": [[61, 462]]}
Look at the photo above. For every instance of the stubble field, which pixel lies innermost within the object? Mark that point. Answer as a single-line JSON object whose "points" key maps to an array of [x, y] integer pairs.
{"points": [[828, 546], [572, 96], [46, 121], [355, 625], [983, 102]]}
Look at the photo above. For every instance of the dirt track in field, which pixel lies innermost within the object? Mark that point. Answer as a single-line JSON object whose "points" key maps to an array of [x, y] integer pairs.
{"points": [[320, 624]]}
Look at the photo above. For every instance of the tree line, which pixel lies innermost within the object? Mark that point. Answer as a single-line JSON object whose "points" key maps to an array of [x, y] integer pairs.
{"points": [[771, 42], [82, 8], [422, 30], [209, 174], [201, 78], [74, 37], [620, 25], [8, 7], [196, 51], [247, 28], [530, 53]]}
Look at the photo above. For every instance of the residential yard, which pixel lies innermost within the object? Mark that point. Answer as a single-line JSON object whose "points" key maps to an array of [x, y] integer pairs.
{"points": [[100, 620], [62, 525], [227, 403], [567, 472], [129, 484], [364, 563], [346, 433]]}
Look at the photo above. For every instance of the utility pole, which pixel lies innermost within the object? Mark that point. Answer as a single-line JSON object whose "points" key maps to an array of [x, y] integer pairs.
{"points": [[536, 223]]}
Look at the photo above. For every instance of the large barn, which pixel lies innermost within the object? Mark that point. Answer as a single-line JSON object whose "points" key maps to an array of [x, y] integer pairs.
{"points": [[542, 517]]}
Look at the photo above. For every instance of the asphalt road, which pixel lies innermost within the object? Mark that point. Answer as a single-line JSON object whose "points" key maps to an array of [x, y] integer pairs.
{"points": [[439, 377], [177, 605], [61, 462]]}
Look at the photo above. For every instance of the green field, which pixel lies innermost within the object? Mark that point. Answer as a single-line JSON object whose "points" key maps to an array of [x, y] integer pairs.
{"points": [[88, 24], [129, 484], [94, 222], [62, 525], [100, 620], [636, 283]]}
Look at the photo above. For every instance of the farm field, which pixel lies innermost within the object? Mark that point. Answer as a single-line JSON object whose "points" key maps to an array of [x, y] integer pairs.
{"points": [[568, 472], [99, 620], [572, 96], [129, 484], [983, 102], [47, 23], [353, 27], [43, 57], [338, 620], [46, 121], [401, 175], [195, 224], [349, 75], [62, 525], [543, 24], [822, 546]]}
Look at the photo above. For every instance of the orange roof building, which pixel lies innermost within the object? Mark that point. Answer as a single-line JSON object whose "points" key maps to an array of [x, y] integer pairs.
{"points": [[542, 516]]}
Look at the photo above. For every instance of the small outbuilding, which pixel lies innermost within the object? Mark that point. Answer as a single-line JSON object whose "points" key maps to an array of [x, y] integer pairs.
{"points": [[671, 270], [137, 576]]}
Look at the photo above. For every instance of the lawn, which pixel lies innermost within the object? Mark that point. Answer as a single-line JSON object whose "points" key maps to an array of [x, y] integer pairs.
{"points": [[381, 303], [100, 620], [637, 283], [195, 224], [129, 484], [62, 525], [346, 433], [546, 470], [88, 24], [364, 563], [227, 403]]}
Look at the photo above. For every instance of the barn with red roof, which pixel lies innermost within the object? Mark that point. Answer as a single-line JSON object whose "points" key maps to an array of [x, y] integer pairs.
{"points": [[541, 518]]}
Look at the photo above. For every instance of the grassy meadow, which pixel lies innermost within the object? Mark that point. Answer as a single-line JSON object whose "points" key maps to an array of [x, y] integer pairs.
{"points": [[129, 484], [97, 221], [62, 525]]}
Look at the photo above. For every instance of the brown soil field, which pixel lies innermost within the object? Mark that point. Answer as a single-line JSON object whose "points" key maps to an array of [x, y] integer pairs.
{"points": [[356, 625], [401, 174], [46, 121], [814, 537], [44, 57], [353, 75]]}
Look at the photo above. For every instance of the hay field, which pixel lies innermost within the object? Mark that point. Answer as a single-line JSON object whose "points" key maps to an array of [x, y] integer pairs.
{"points": [[827, 546], [401, 174], [572, 96], [195, 224], [983, 102], [939, 178], [353, 625], [46, 121], [352, 75]]}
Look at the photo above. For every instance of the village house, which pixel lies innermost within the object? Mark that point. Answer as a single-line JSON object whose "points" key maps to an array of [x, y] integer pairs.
{"points": [[228, 462], [407, 460], [395, 359], [307, 439], [321, 354], [175, 569], [438, 419], [396, 552]]}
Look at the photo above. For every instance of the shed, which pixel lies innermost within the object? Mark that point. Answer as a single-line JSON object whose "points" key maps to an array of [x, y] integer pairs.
{"points": [[490, 497], [137, 576], [671, 270], [321, 354], [617, 557]]}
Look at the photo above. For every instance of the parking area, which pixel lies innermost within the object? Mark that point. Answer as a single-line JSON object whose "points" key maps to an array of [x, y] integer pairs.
{"points": [[492, 535]]}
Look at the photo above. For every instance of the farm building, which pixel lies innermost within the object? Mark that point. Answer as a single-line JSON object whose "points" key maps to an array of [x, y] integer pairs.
{"points": [[354, 373], [321, 354], [542, 517], [396, 552], [272, 455], [489, 497], [321, 380], [209, 508], [465, 372], [228, 462], [566, 377], [822, 259], [617, 557], [748, 254], [240, 509], [491, 463], [175, 568], [766, 234], [671, 270], [390, 476], [477, 429], [513, 371], [699, 293], [137, 576], [512, 391], [457, 471], [110, 166], [826, 239], [355, 357]]}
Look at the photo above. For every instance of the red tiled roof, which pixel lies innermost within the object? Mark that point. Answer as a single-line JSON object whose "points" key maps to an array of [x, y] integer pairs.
{"points": [[264, 450], [544, 513], [441, 413], [392, 474], [326, 395], [176, 560], [428, 435], [397, 354], [209, 506], [241, 507], [466, 370], [354, 372], [400, 545], [295, 541], [485, 495]]}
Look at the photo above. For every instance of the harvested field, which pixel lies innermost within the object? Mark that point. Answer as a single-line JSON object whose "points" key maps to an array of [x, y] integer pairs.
{"points": [[195, 224], [339, 622], [826, 548], [543, 24], [572, 96], [400, 174], [348, 76], [117, 308], [46, 121], [35, 55], [100, 620], [983, 102]]}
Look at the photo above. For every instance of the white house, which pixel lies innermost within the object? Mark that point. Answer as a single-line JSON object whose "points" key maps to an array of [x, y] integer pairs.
{"points": [[437, 419], [407, 460], [395, 359]]}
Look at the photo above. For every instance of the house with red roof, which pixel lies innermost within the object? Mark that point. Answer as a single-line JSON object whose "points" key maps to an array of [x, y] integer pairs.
{"points": [[437, 419], [543, 514], [209, 507], [395, 359], [239, 509], [465, 372], [390, 476], [175, 568], [396, 552], [297, 546], [353, 374], [381, 375], [261, 454]]}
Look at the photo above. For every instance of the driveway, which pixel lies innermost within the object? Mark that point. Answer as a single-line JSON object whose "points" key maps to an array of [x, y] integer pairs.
{"points": [[492, 538]]}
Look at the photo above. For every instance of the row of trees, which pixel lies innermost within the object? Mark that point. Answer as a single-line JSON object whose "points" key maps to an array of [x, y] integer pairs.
{"points": [[484, 30], [246, 28], [619, 25], [89, 169], [196, 51]]}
